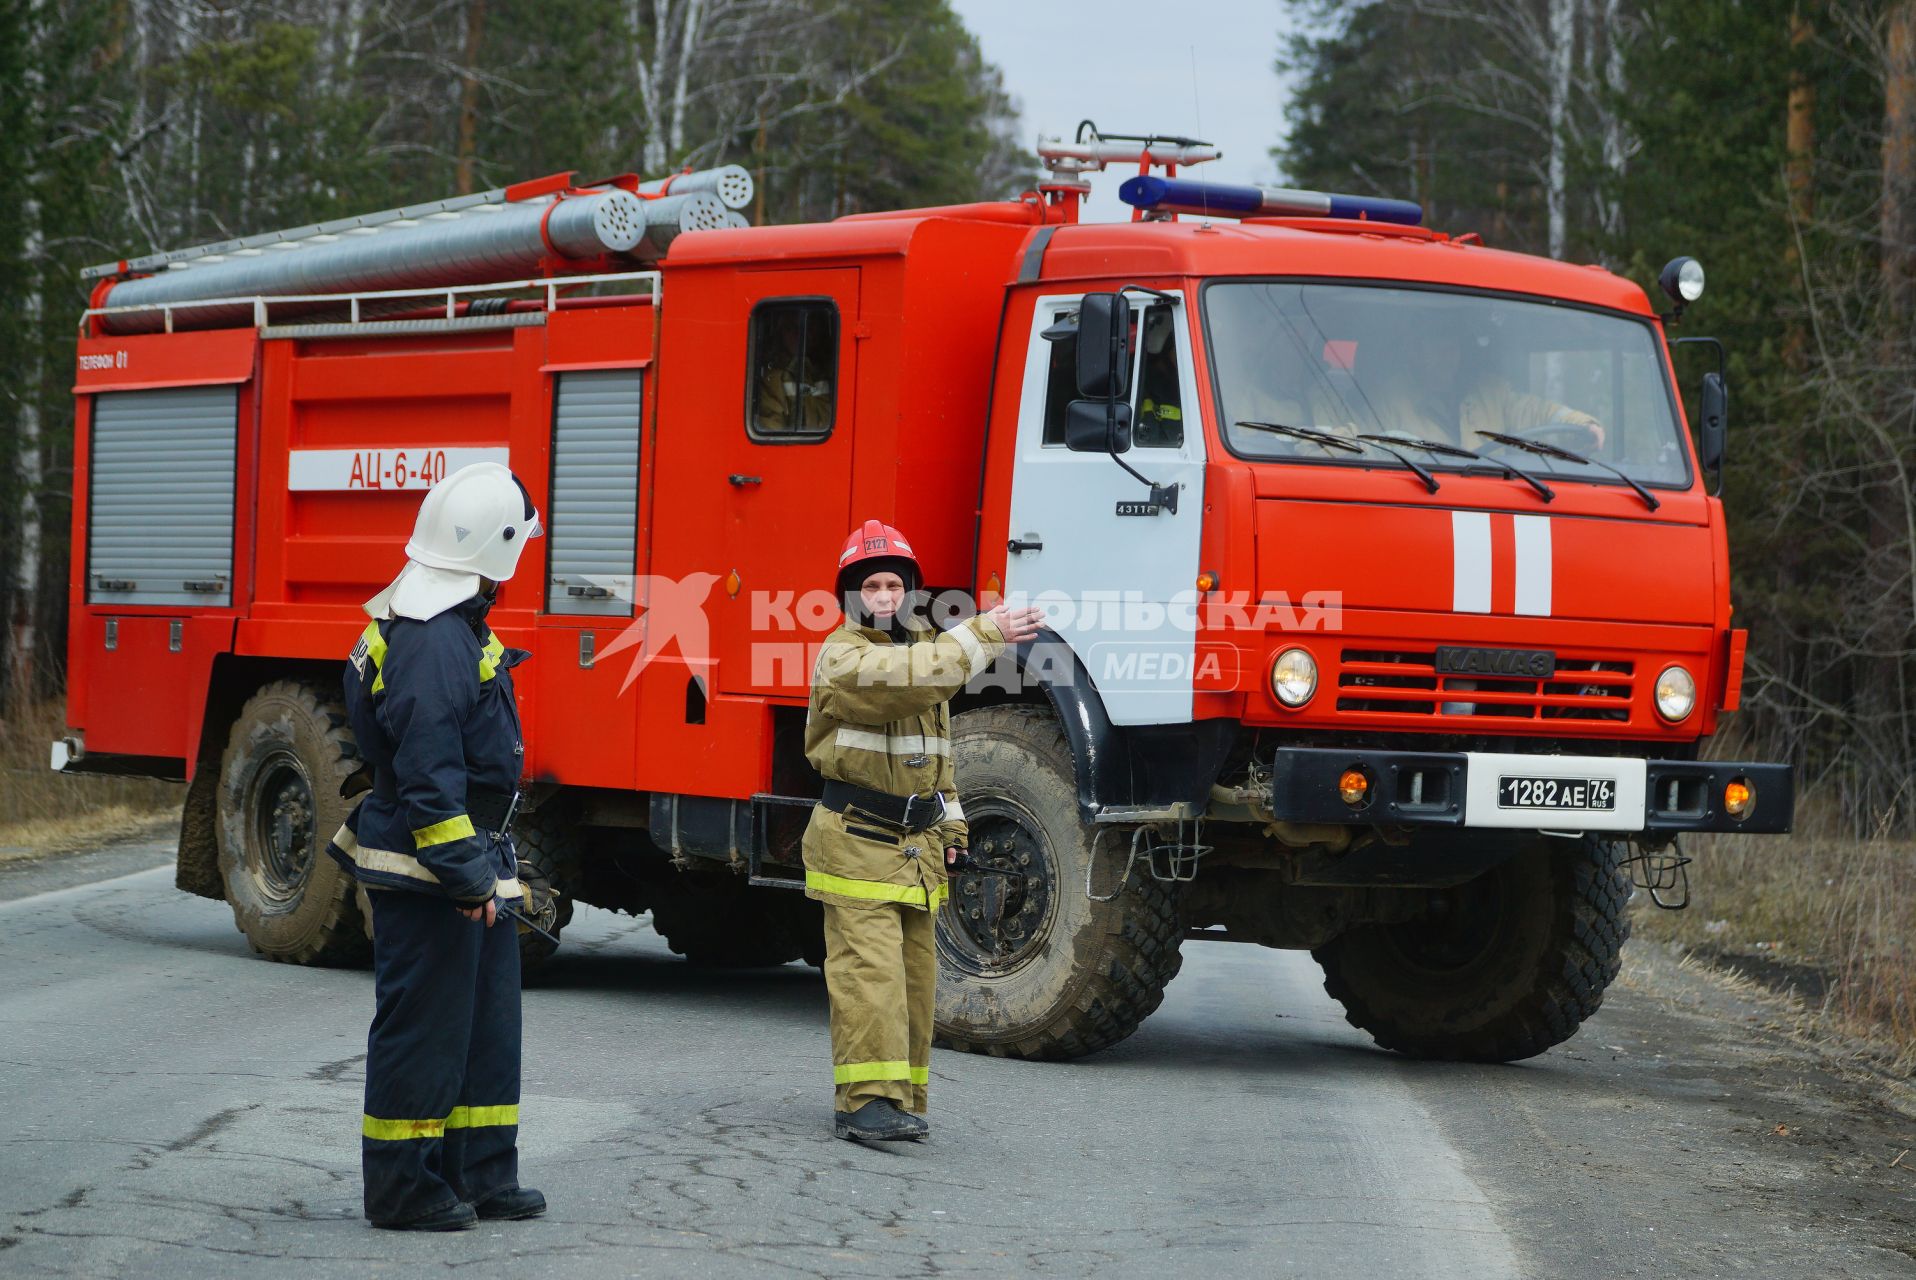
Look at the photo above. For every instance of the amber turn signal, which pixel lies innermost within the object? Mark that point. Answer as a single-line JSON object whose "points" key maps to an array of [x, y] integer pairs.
{"points": [[1207, 581], [1353, 785], [1739, 797]]}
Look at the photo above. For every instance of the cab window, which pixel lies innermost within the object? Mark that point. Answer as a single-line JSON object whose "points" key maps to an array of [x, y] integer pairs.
{"points": [[792, 368], [1157, 416]]}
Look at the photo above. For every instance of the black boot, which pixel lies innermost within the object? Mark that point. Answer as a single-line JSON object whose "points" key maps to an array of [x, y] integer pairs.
{"points": [[512, 1203], [879, 1121], [457, 1216]]}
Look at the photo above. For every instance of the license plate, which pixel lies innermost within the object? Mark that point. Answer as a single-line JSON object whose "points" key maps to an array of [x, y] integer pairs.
{"points": [[1525, 791]]}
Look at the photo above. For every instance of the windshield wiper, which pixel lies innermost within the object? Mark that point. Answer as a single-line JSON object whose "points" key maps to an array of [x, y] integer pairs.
{"points": [[1326, 440], [1553, 451], [1438, 447]]}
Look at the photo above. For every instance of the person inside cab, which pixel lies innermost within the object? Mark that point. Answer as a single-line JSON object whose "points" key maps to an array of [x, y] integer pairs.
{"points": [[430, 699], [1160, 420], [793, 390], [889, 826], [1436, 380]]}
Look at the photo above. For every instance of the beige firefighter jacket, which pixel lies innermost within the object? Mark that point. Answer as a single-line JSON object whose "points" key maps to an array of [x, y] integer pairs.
{"points": [[879, 718]]}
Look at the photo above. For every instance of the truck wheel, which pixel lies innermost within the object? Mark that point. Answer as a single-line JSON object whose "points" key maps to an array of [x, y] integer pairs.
{"points": [[728, 925], [278, 804], [1029, 967], [1511, 964], [548, 853]]}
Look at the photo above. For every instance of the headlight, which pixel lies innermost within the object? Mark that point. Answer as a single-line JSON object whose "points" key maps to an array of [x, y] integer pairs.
{"points": [[1676, 694], [1682, 279], [1294, 677]]}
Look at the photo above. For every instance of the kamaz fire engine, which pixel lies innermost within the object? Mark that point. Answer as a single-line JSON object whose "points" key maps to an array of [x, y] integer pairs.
{"points": [[1389, 603]]}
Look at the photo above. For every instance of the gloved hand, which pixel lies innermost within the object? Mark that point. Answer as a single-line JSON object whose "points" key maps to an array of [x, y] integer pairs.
{"points": [[958, 859]]}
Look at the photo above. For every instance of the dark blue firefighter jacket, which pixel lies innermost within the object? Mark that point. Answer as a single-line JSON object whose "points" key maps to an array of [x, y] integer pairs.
{"points": [[432, 707]]}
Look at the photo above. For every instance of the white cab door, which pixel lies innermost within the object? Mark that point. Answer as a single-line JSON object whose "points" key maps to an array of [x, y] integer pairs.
{"points": [[1120, 589]]}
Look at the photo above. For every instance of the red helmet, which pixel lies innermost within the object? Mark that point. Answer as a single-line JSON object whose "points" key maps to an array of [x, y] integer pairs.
{"points": [[874, 547]]}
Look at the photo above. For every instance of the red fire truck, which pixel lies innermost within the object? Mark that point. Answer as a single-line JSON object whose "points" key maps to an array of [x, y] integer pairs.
{"points": [[1389, 603]]}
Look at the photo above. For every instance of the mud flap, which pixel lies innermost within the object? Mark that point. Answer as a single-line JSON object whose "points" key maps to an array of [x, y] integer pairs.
{"points": [[198, 868]]}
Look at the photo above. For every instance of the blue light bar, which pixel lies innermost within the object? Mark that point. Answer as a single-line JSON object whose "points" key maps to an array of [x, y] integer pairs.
{"points": [[1181, 195]]}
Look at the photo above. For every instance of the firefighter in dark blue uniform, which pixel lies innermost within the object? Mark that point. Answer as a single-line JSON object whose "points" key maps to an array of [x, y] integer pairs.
{"points": [[429, 693]]}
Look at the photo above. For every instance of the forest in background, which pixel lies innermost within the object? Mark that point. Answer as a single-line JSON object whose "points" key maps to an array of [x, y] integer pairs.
{"points": [[133, 125], [1773, 140]]}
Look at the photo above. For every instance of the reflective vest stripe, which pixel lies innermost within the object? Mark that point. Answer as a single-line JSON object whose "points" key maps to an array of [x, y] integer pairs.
{"points": [[442, 832], [910, 895], [400, 1130], [954, 811], [901, 744], [481, 1117], [858, 1072]]}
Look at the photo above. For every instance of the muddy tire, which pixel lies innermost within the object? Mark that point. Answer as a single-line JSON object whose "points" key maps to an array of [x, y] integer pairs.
{"points": [[1519, 958], [1029, 967], [549, 861], [278, 804], [726, 924]]}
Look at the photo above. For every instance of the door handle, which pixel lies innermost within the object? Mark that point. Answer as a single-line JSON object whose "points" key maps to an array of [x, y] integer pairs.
{"points": [[739, 482], [1017, 545]]}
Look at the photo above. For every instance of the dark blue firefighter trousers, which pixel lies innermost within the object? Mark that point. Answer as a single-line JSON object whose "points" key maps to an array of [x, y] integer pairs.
{"points": [[442, 1059]]}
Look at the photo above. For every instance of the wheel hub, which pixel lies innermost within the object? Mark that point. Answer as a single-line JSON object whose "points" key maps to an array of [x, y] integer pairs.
{"points": [[283, 820], [998, 918]]}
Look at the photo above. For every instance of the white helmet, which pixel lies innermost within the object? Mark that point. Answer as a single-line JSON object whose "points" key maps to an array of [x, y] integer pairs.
{"points": [[473, 524]]}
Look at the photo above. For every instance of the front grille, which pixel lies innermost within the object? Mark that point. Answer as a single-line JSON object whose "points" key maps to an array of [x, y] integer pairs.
{"points": [[1405, 682]]}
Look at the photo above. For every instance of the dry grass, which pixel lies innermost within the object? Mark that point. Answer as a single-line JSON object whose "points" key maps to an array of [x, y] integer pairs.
{"points": [[1832, 918], [42, 812]]}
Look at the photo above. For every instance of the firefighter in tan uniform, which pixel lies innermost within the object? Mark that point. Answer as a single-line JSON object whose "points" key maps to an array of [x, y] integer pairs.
{"points": [[879, 841]]}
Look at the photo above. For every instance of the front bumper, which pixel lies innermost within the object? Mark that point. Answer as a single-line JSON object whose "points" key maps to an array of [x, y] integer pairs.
{"points": [[1460, 789]]}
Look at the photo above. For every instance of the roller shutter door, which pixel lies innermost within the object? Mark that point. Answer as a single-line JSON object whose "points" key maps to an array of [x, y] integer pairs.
{"points": [[160, 515], [593, 521]]}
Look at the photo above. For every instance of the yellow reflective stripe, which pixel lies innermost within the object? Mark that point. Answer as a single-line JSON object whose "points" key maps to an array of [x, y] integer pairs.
{"points": [[480, 1117], [938, 897], [400, 1130], [921, 1075], [874, 890], [857, 1072], [442, 832], [489, 657]]}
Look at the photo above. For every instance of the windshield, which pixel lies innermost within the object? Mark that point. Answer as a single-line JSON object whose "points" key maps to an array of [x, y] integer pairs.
{"points": [[1352, 360]]}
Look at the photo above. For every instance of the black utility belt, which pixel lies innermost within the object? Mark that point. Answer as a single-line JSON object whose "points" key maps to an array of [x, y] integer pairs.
{"points": [[908, 813], [490, 808]]}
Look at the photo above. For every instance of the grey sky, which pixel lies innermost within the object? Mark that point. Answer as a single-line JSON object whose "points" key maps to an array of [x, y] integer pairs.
{"points": [[1127, 64]]}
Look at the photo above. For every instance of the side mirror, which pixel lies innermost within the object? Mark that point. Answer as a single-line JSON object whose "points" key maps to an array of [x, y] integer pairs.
{"points": [[1097, 426], [1104, 347], [1713, 415]]}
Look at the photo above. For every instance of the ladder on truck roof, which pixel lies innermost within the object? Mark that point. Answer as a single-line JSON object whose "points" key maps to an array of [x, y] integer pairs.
{"points": [[392, 314], [384, 262]]}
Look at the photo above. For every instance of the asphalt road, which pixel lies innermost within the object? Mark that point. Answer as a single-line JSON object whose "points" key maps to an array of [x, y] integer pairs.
{"points": [[171, 1105]]}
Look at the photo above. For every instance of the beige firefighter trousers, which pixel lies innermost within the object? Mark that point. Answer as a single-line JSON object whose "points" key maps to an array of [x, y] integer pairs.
{"points": [[881, 971]]}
